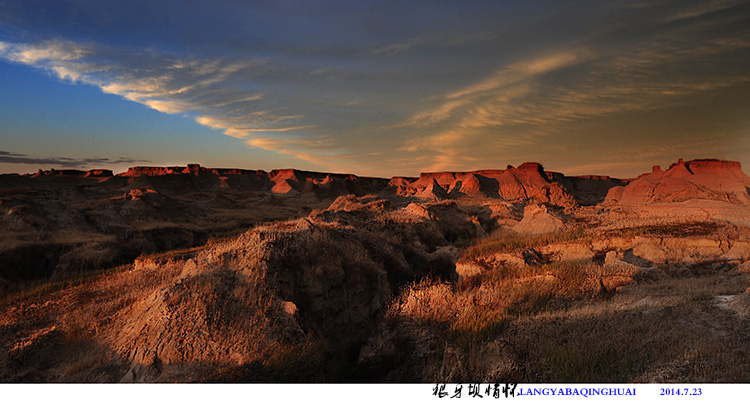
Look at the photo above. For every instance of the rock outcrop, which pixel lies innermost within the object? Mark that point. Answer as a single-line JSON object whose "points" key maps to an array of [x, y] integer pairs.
{"points": [[537, 219], [527, 183], [433, 192], [703, 179], [445, 277]]}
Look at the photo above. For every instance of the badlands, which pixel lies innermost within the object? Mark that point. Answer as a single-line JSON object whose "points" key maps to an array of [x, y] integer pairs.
{"points": [[192, 274]]}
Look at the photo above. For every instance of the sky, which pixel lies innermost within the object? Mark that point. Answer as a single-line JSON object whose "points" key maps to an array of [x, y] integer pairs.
{"points": [[376, 88]]}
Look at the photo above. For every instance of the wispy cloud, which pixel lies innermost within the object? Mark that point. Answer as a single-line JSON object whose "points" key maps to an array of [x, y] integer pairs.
{"points": [[390, 49], [640, 158], [15, 158], [168, 84], [703, 8], [521, 105], [468, 91]]}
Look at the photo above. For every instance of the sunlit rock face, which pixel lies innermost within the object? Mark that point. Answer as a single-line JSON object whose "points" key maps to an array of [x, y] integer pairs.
{"points": [[703, 179], [528, 182]]}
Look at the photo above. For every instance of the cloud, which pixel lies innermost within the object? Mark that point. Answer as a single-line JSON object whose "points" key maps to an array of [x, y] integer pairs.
{"points": [[49, 51], [165, 83], [390, 49], [214, 91], [15, 158], [702, 8], [166, 106], [505, 85], [442, 91], [523, 104], [524, 70]]}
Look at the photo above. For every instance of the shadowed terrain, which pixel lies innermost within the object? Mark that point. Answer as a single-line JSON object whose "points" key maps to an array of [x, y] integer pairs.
{"points": [[164, 274]]}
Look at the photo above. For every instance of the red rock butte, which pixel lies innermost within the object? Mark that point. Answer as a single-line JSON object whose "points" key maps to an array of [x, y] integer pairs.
{"points": [[707, 179], [700, 179]]}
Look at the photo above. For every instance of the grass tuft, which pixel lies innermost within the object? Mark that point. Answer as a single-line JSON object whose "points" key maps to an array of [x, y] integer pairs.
{"points": [[504, 241]]}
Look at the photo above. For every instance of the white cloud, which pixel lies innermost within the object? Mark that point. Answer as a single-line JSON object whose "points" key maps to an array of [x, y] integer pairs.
{"points": [[167, 106], [165, 84], [48, 51]]}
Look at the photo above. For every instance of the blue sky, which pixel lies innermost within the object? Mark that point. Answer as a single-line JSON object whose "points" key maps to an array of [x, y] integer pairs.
{"points": [[374, 87]]}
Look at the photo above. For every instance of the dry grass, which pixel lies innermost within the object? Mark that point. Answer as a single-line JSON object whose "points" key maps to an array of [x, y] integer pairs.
{"points": [[703, 229], [585, 322], [286, 363], [13, 239], [41, 288], [482, 307], [504, 241], [665, 328]]}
